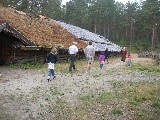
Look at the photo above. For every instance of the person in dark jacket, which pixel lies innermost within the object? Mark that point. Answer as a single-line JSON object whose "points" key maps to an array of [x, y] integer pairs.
{"points": [[106, 54], [123, 54], [52, 60]]}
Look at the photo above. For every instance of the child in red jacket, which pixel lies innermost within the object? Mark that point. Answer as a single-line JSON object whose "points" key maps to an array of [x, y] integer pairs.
{"points": [[129, 59]]}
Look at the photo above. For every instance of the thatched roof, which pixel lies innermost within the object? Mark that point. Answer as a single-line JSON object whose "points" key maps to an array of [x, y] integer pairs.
{"points": [[99, 42], [39, 30]]}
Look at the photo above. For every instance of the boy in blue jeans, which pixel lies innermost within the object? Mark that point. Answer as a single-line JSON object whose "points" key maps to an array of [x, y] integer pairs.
{"points": [[52, 60]]}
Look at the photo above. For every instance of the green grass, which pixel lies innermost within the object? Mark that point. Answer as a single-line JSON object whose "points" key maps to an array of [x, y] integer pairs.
{"points": [[147, 70], [156, 104], [11, 97], [116, 84], [87, 97], [144, 96], [105, 96], [117, 111], [54, 91], [28, 66]]}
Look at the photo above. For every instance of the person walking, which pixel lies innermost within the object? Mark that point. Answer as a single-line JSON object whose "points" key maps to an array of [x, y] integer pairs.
{"points": [[129, 59], [73, 52], [89, 52], [106, 54], [123, 54], [52, 60], [101, 60]]}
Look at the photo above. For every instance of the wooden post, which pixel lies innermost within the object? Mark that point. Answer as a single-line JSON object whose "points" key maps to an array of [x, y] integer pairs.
{"points": [[14, 55], [35, 56]]}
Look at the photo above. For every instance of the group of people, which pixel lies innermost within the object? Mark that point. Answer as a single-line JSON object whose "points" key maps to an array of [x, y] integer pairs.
{"points": [[89, 52]]}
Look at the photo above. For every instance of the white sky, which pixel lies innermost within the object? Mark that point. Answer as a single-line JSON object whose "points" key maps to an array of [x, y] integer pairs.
{"points": [[123, 1]]}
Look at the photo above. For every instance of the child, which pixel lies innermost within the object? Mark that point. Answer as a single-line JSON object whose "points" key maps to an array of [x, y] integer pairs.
{"points": [[101, 60], [129, 59], [52, 59]]}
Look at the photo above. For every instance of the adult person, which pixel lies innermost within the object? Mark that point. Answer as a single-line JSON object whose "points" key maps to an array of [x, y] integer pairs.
{"points": [[123, 54], [52, 60], [89, 52], [106, 54], [73, 52]]}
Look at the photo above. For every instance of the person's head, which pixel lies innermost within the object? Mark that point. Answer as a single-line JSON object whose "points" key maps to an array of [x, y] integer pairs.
{"points": [[106, 49], [124, 48], [54, 50], [90, 43]]}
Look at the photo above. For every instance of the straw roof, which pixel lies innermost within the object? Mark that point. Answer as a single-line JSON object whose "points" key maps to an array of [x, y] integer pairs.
{"points": [[42, 31]]}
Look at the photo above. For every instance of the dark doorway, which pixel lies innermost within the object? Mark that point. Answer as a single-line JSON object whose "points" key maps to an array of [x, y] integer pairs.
{"points": [[7, 50]]}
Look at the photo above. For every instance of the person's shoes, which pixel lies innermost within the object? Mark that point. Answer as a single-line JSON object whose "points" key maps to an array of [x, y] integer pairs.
{"points": [[74, 67], [48, 79], [54, 77]]}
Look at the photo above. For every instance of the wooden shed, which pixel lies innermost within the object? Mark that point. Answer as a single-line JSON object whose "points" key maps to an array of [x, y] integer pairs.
{"points": [[16, 48], [25, 38]]}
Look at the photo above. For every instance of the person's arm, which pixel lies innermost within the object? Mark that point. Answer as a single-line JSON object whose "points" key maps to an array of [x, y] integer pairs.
{"points": [[48, 57], [69, 50], [76, 49], [56, 59]]}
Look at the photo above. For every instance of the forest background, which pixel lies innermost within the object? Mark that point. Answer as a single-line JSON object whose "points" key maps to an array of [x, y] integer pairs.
{"points": [[133, 25]]}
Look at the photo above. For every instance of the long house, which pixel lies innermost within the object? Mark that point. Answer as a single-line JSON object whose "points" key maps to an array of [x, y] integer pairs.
{"points": [[26, 38]]}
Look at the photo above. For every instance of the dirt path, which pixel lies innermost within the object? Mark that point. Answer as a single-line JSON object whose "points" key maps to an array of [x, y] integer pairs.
{"points": [[25, 86], [23, 81]]}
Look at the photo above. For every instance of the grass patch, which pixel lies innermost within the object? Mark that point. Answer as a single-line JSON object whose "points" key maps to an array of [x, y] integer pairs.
{"points": [[143, 98], [4, 115], [28, 66], [54, 91], [147, 70], [105, 96], [87, 97], [156, 104], [117, 111], [11, 97], [116, 84]]}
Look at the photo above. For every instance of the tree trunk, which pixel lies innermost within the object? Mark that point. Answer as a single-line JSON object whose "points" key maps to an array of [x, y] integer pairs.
{"points": [[1, 3], [108, 32], [153, 37], [131, 38], [95, 28], [104, 30]]}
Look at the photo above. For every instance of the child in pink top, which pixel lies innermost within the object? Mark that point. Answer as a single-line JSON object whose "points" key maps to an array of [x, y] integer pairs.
{"points": [[101, 60], [129, 59]]}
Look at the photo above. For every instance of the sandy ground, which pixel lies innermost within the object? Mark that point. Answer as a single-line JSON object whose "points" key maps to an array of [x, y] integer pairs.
{"points": [[20, 82]]}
